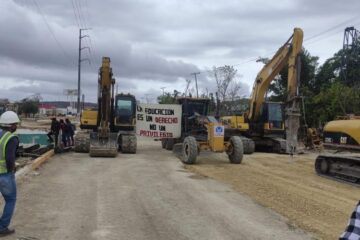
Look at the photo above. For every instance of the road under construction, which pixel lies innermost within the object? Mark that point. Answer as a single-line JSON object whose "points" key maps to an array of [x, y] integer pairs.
{"points": [[152, 195], [267, 196]]}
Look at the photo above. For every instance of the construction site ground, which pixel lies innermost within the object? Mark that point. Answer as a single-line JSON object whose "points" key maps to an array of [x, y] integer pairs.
{"points": [[289, 186], [152, 195], [148, 195]]}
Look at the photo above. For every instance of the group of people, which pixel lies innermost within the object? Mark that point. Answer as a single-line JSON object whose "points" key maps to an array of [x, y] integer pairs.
{"points": [[64, 128]]}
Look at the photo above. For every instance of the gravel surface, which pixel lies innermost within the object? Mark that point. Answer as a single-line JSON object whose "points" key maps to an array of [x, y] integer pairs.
{"points": [[148, 195], [289, 186]]}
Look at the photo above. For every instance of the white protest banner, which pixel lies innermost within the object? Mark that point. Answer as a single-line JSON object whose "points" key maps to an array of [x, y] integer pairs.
{"points": [[158, 120]]}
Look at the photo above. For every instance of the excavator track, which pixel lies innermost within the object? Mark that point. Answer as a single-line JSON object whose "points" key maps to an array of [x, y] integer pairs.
{"points": [[343, 168], [82, 142], [128, 144]]}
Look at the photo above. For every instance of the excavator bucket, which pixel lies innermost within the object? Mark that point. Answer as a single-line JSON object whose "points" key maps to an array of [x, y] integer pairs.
{"points": [[103, 147]]}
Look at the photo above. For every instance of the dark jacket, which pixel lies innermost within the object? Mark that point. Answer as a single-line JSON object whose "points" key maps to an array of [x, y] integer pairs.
{"points": [[55, 127]]}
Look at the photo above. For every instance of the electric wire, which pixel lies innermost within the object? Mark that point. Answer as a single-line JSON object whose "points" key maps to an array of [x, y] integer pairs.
{"points": [[52, 32], [75, 15], [80, 19], [315, 38]]}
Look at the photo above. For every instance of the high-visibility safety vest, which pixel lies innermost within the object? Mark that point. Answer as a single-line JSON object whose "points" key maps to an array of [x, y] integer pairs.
{"points": [[3, 142]]}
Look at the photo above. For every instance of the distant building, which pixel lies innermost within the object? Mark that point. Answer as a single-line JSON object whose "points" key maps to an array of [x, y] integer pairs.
{"points": [[56, 108], [47, 109]]}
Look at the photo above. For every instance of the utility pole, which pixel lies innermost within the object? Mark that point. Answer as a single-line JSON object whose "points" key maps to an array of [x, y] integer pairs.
{"points": [[187, 87], [162, 88], [350, 45], [197, 92], [83, 102], [79, 66]]}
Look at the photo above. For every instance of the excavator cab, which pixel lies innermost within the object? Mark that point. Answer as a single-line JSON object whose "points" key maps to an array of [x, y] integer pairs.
{"points": [[124, 122], [125, 111], [272, 118]]}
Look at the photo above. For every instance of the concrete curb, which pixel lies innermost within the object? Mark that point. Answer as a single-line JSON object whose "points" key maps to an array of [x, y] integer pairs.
{"points": [[34, 165], [43, 158]]}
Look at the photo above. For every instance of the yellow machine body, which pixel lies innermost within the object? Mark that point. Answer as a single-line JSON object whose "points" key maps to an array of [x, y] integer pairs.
{"points": [[235, 122], [103, 142], [216, 137], [344, 164], [261, 121], [88, 119], [342, 132]]}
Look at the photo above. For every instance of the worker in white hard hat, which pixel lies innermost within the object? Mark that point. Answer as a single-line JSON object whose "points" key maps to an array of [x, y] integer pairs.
{"points": [[8, 146]]}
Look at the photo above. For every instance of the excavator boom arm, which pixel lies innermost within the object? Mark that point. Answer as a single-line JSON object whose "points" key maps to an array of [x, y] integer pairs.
{"points": [[286, 54]]}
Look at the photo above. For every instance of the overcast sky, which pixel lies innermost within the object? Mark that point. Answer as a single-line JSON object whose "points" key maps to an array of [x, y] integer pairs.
{"points": [[154, 44]]}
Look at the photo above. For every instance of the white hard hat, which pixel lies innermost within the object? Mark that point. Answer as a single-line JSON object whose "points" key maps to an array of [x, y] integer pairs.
{"points": [[8, 118]]}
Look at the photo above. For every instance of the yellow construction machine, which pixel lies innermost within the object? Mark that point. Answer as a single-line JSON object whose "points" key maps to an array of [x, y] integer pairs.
{"points": [[103, 142], [114, 128], [264, 122], [200, 132], [88, 119], [343, 136]]}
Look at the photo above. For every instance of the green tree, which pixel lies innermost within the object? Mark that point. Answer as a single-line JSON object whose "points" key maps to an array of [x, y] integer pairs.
{"points": [[309, 64], [168, 98], [28, 107]]}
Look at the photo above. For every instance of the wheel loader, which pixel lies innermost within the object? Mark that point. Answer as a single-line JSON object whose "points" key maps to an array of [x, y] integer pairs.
{"points": [[200, 132], [115, 120]]}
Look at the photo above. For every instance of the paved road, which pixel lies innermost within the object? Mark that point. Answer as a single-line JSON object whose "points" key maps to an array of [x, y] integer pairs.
{"points": [[144, 196]]}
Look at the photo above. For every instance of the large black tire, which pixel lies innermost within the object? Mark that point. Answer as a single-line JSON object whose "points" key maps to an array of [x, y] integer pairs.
{"points": [[163, 142], [235, 151], [189, 150], [128, 144], [249, 145], [169, 144]]}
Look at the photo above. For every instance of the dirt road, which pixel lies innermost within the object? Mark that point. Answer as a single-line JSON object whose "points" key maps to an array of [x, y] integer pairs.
{"points": [[144, 196], [288, 186]]}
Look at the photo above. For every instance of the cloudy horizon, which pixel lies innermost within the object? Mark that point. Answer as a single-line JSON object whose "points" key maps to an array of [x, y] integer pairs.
{"points": [[155, 44]]}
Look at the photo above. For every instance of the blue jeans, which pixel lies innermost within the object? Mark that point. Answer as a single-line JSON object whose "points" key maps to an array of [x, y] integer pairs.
{"points": [[8, 190]]}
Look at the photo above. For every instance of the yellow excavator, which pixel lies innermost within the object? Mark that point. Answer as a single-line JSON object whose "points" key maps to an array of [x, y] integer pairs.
{"points": [[264, 122], [343, 136], [103, 142], [114, 128]]}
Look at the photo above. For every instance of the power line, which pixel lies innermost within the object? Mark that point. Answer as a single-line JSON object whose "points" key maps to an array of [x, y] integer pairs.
{"points": [[76, 17], [253, 59], [81, 23], [332, 34], [332, 28], [90, 40], [51, 32], [78, 10]]}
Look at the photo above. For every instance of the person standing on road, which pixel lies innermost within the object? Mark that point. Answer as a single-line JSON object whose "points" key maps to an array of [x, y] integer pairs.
{"points": [[64, 132], [71, 129], [8, 146], [54, 131]]}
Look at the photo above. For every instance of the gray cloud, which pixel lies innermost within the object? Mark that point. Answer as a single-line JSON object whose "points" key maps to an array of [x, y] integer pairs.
{"points": [[151, 43]]}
